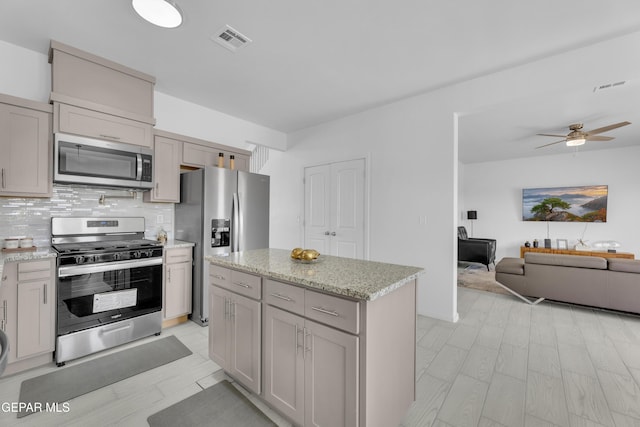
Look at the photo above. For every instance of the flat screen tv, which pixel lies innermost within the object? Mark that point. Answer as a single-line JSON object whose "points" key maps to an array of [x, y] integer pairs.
{"points": [[565, 204]]}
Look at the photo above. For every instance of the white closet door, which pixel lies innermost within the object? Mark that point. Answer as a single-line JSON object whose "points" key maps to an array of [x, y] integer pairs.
{"points": [[334, 208]]}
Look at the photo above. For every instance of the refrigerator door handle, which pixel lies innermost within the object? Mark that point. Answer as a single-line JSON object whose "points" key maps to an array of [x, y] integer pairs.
{"points": [[236, 224]]}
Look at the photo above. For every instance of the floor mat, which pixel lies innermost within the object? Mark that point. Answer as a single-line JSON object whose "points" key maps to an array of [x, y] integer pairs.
{"points": [[76, 380], [221, 405]]}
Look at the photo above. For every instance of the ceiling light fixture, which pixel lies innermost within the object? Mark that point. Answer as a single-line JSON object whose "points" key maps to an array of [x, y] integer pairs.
{"points": [[575, 142], [163, 13]]}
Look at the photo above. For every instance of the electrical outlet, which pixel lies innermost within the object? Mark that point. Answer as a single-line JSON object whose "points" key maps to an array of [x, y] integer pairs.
{"points": [[159, 219]]}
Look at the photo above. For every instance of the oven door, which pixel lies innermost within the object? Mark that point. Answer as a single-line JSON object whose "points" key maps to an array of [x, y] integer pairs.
{"points": [[99, 294]]}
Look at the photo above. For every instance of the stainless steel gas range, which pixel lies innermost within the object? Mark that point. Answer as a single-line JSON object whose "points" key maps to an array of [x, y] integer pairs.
{"points": [[109, 284]]}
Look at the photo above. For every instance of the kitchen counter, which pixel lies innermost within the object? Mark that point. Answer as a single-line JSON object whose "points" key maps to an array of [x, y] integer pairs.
{"points": [[359, 279], [171, 244], [41, 252]]}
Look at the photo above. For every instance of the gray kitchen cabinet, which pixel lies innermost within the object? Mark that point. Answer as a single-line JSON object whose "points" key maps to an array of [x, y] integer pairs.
{"points": [[99, 98], [235, 334], [95, 124], [28, 304], [166, 171], [25, 144], [199, 155], [311, 370], [177, 281]]}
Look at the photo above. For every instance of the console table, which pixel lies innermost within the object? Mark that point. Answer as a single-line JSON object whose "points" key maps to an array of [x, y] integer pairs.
{"points": [[602, 254]]}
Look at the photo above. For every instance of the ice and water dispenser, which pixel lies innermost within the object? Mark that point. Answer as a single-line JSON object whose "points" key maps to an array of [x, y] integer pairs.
{"points": [[220, 229]]}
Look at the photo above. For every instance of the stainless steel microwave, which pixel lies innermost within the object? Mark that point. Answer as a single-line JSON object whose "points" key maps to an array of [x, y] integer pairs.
{"points": [[81, 160]]}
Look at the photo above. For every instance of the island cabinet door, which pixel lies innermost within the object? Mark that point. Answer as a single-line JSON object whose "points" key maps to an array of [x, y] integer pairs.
{"points": [[284, 363], [218, 326], [245, 343], [331, 376]]}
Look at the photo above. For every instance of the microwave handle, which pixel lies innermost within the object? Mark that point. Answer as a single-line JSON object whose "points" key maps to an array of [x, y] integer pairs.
{"points": [[139, 167]]}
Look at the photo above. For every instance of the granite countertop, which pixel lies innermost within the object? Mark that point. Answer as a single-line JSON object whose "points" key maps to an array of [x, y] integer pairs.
{"points": [[171, 243], [363, 280], [41, 252]]}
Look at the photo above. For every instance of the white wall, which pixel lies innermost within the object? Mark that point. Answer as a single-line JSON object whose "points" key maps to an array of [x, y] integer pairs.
{"points": [[494, 189], [186, 118], [412, 145]]}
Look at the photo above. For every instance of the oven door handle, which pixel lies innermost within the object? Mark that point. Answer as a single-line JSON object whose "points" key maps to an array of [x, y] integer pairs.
{"points": [[76, 270]]}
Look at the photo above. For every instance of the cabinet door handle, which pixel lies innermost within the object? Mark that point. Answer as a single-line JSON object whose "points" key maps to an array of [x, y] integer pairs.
{"points": [[109, 136], [304, 343], [326, 233], [3, 186], [325, 311], [44, 292], [219, 277], [333, 233], [226, 309], [244, 285], [157, 185], [298, 346], [282, 297], [232, 306], [169, 275]]}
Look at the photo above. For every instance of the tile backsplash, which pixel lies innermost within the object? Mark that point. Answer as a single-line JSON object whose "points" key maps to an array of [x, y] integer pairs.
{"points": [[31, 217]]}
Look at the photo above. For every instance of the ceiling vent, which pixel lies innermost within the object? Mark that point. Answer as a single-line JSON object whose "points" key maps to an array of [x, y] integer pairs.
{"points": [[609, 86], [230, 38]]}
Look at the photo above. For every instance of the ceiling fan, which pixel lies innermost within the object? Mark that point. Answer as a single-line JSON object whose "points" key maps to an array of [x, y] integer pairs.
{"points": [[578, 137]]}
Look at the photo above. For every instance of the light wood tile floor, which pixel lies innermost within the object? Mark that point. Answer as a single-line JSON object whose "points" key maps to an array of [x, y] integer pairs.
{"points": [[503, 364], [131, 401], [506, 363]]}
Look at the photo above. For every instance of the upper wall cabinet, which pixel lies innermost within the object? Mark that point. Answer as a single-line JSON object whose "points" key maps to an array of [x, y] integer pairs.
{"points": [[25, 148], [99, 98]]}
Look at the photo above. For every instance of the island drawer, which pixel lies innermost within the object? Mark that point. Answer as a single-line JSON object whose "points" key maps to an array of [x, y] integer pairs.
{"points": [[219, 276], [246, 284], [287, 297], [333, 311]]}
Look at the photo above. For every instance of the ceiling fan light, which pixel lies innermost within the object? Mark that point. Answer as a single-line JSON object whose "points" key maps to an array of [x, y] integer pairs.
{"points": [[163, 13], [575, 142]]}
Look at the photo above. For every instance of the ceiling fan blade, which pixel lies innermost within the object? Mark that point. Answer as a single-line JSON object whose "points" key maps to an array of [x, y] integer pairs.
{"points": [[607, 128], [553, 143], [599, 138], [549, 134]]}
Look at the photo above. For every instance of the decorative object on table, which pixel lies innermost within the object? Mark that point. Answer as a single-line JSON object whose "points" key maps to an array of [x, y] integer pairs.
{"points": [[562, 244], [472, 216], [582, 244], [535, 243], [606, 246], [12, 243], [565, 204], [527, 244], [478, 250], [162, 236], [308, 255]]}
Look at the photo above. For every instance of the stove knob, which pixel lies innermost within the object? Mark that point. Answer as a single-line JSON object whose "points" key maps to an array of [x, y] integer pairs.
{"points": [[137, 254], [149, 253], [90, 258], [79, 259], [117, 256]]}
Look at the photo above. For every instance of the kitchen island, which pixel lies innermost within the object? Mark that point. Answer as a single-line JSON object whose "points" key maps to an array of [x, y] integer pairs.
{"points": [[329, 342]]}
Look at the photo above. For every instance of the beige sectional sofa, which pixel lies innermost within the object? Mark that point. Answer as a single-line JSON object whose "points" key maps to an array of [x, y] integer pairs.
{"points": [[611, 283]]}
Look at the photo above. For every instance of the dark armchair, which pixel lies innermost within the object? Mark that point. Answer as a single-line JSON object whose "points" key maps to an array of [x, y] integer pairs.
{"points": [[482, 251]]}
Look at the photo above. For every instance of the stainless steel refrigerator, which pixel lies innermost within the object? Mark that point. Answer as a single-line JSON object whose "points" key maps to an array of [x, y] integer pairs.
{"points": [[222, 211]]}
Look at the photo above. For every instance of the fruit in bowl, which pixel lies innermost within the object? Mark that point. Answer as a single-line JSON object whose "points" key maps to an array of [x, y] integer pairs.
{"points": [[304, 254]]}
